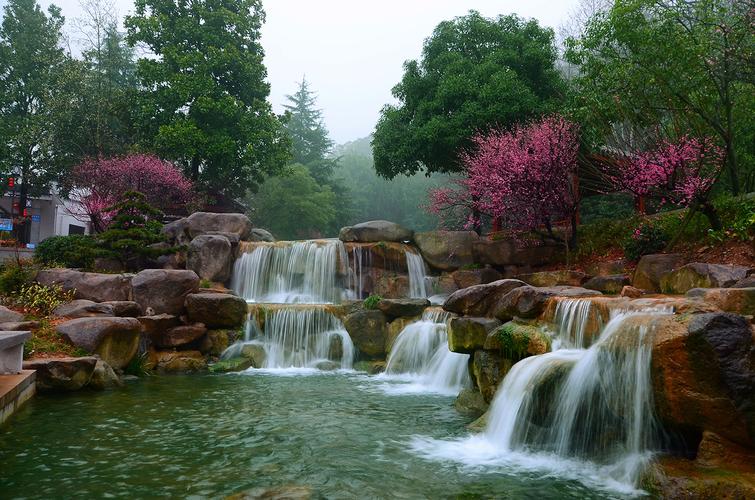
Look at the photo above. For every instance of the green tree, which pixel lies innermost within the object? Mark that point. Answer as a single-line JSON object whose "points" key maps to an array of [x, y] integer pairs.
{"points": [[474, 73], [681, 67], [204, 103], [31, 60], [294, 206]]}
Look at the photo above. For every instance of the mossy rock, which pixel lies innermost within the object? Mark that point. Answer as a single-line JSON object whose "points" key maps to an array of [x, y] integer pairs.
{"points": [[517, 340], [231, 365]]}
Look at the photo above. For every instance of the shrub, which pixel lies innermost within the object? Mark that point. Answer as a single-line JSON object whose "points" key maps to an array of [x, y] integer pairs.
{"points": [[40, 299], [76, 250], [14, 275], [646, 239], [371, 302]]}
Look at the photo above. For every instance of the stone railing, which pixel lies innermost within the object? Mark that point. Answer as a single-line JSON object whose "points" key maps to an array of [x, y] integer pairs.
{"points": [[12, 351]]}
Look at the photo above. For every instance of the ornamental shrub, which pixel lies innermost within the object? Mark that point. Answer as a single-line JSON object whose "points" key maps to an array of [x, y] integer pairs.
{"points": [[646, 239], [76, 250], [371, 302]]}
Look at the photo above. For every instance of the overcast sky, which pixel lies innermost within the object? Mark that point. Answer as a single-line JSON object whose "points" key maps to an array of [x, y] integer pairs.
{"points": [[352, 51]]}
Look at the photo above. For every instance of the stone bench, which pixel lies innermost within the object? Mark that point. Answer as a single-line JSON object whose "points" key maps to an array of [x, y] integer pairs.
{"points": [[12, 351]]}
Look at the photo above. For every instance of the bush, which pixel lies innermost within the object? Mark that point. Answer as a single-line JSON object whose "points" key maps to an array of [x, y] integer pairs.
{"points": [[646, 239], [371, 302], [76, 250], [14, 275], [40, 299]]}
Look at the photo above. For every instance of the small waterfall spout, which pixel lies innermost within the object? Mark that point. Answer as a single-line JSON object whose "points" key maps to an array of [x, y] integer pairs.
{"points": [[301, 272], [417, 275], [420, 355]]}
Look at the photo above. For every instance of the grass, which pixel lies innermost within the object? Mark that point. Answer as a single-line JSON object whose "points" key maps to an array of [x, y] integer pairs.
{"points": [[45, 340]]}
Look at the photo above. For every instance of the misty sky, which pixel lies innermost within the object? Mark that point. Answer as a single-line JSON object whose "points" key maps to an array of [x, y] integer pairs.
{"points": [[352, 51]]}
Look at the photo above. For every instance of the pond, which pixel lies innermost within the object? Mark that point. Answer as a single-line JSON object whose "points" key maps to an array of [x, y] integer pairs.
{"points": [[339, 435]]}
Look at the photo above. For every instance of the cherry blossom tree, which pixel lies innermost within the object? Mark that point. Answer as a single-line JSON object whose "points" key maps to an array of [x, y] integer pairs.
{"points": [[526, 178], [100, 183]]}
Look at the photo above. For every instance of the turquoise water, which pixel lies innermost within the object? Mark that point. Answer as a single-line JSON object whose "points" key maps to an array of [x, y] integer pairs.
{"points": [[340, 435]]}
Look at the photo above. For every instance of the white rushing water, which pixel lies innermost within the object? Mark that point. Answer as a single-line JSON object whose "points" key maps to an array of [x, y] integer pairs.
{"points": [[583, 412], [417, 275], [300, 272], [420, 358]]}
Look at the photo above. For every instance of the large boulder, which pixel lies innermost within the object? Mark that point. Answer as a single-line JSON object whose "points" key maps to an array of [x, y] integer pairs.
{"points": [[391, 285], [470, 403], [529, 301], [736, 300], [177, 232], [124, 308], [115, 340], [368, 330], [447, 250], [389, 255], [82, 308], [180, 336], [703, 375], [700, 275], [464, 278], [176, 361], [62, 374], [612, 284], [403, 308], [164, 291], [9, 316], [494, 252], [516, 340], [259, 234], [216, 310], [652, 268], [477, 300], [211, 257], [468, 334], [104, 377], [207, 222], [90, 286], [555, 278], [488, 369], [376, 230], [154, 326], [748, 282]]}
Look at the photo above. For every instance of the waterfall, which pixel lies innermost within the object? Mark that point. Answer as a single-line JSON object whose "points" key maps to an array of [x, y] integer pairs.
{"points": [[420, 355], [585, 408], [360, 260], [417, 275], [301, 272]]}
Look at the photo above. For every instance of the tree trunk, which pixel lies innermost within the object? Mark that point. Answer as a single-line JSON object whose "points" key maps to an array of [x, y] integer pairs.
{"points": [[711, 213], [195, 169], [22, 231], [731, 165]]}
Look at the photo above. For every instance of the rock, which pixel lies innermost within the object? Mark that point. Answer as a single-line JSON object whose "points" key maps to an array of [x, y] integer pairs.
{"points": [[256, 353], [467, 334], [612, 284], [395, 328], [385, 255], [259, 234], [104, 377], [631, 292], [716, 451], [442, 285], [200, 223], [403, 308], [672, 477], [164, 291], [180, 335], [328, 366], [288, 492], [368, 331], [217, 342], [82, 308], [477, 300], [124, 308], [370, 367], [529, 301], [488, 369], [464, 278], [516, 340], [90, 286], [376, 230], [19, 326], [735, 300], [494, 252], [608, 268], [699, 275], [115, 340], [390, 285], [703, 375], [211, 257], [231, 365], [153, 326], [652, 268], [177, 361], [480, 425], [62, 374], [748, 282], [447, 250], [470, 403], [554, 278], [108, 265], [9, 316], [216, 310], [177, 232]]}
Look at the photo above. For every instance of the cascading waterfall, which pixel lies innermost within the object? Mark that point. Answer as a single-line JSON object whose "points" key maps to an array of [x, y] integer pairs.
{"points": [[417, 275], [586, 404], [360, 260], [301, 272], [420, 355]]}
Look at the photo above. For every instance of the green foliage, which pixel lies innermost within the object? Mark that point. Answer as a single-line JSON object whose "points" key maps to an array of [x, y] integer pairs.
{"points": [[14, 275], [646, 239], [138, 366], [310, 144], [205, 283], [606, 207], [294, 206], [514, 341], [371, 302], [132, 232], [738, 216], [46, 340], [204, 103], [474, 73], [76, 250], [41, 300]]}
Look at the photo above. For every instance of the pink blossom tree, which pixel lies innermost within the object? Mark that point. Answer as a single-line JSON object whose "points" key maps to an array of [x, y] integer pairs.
{"points": [[680, 172], [100, 183], [526, 178]]}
